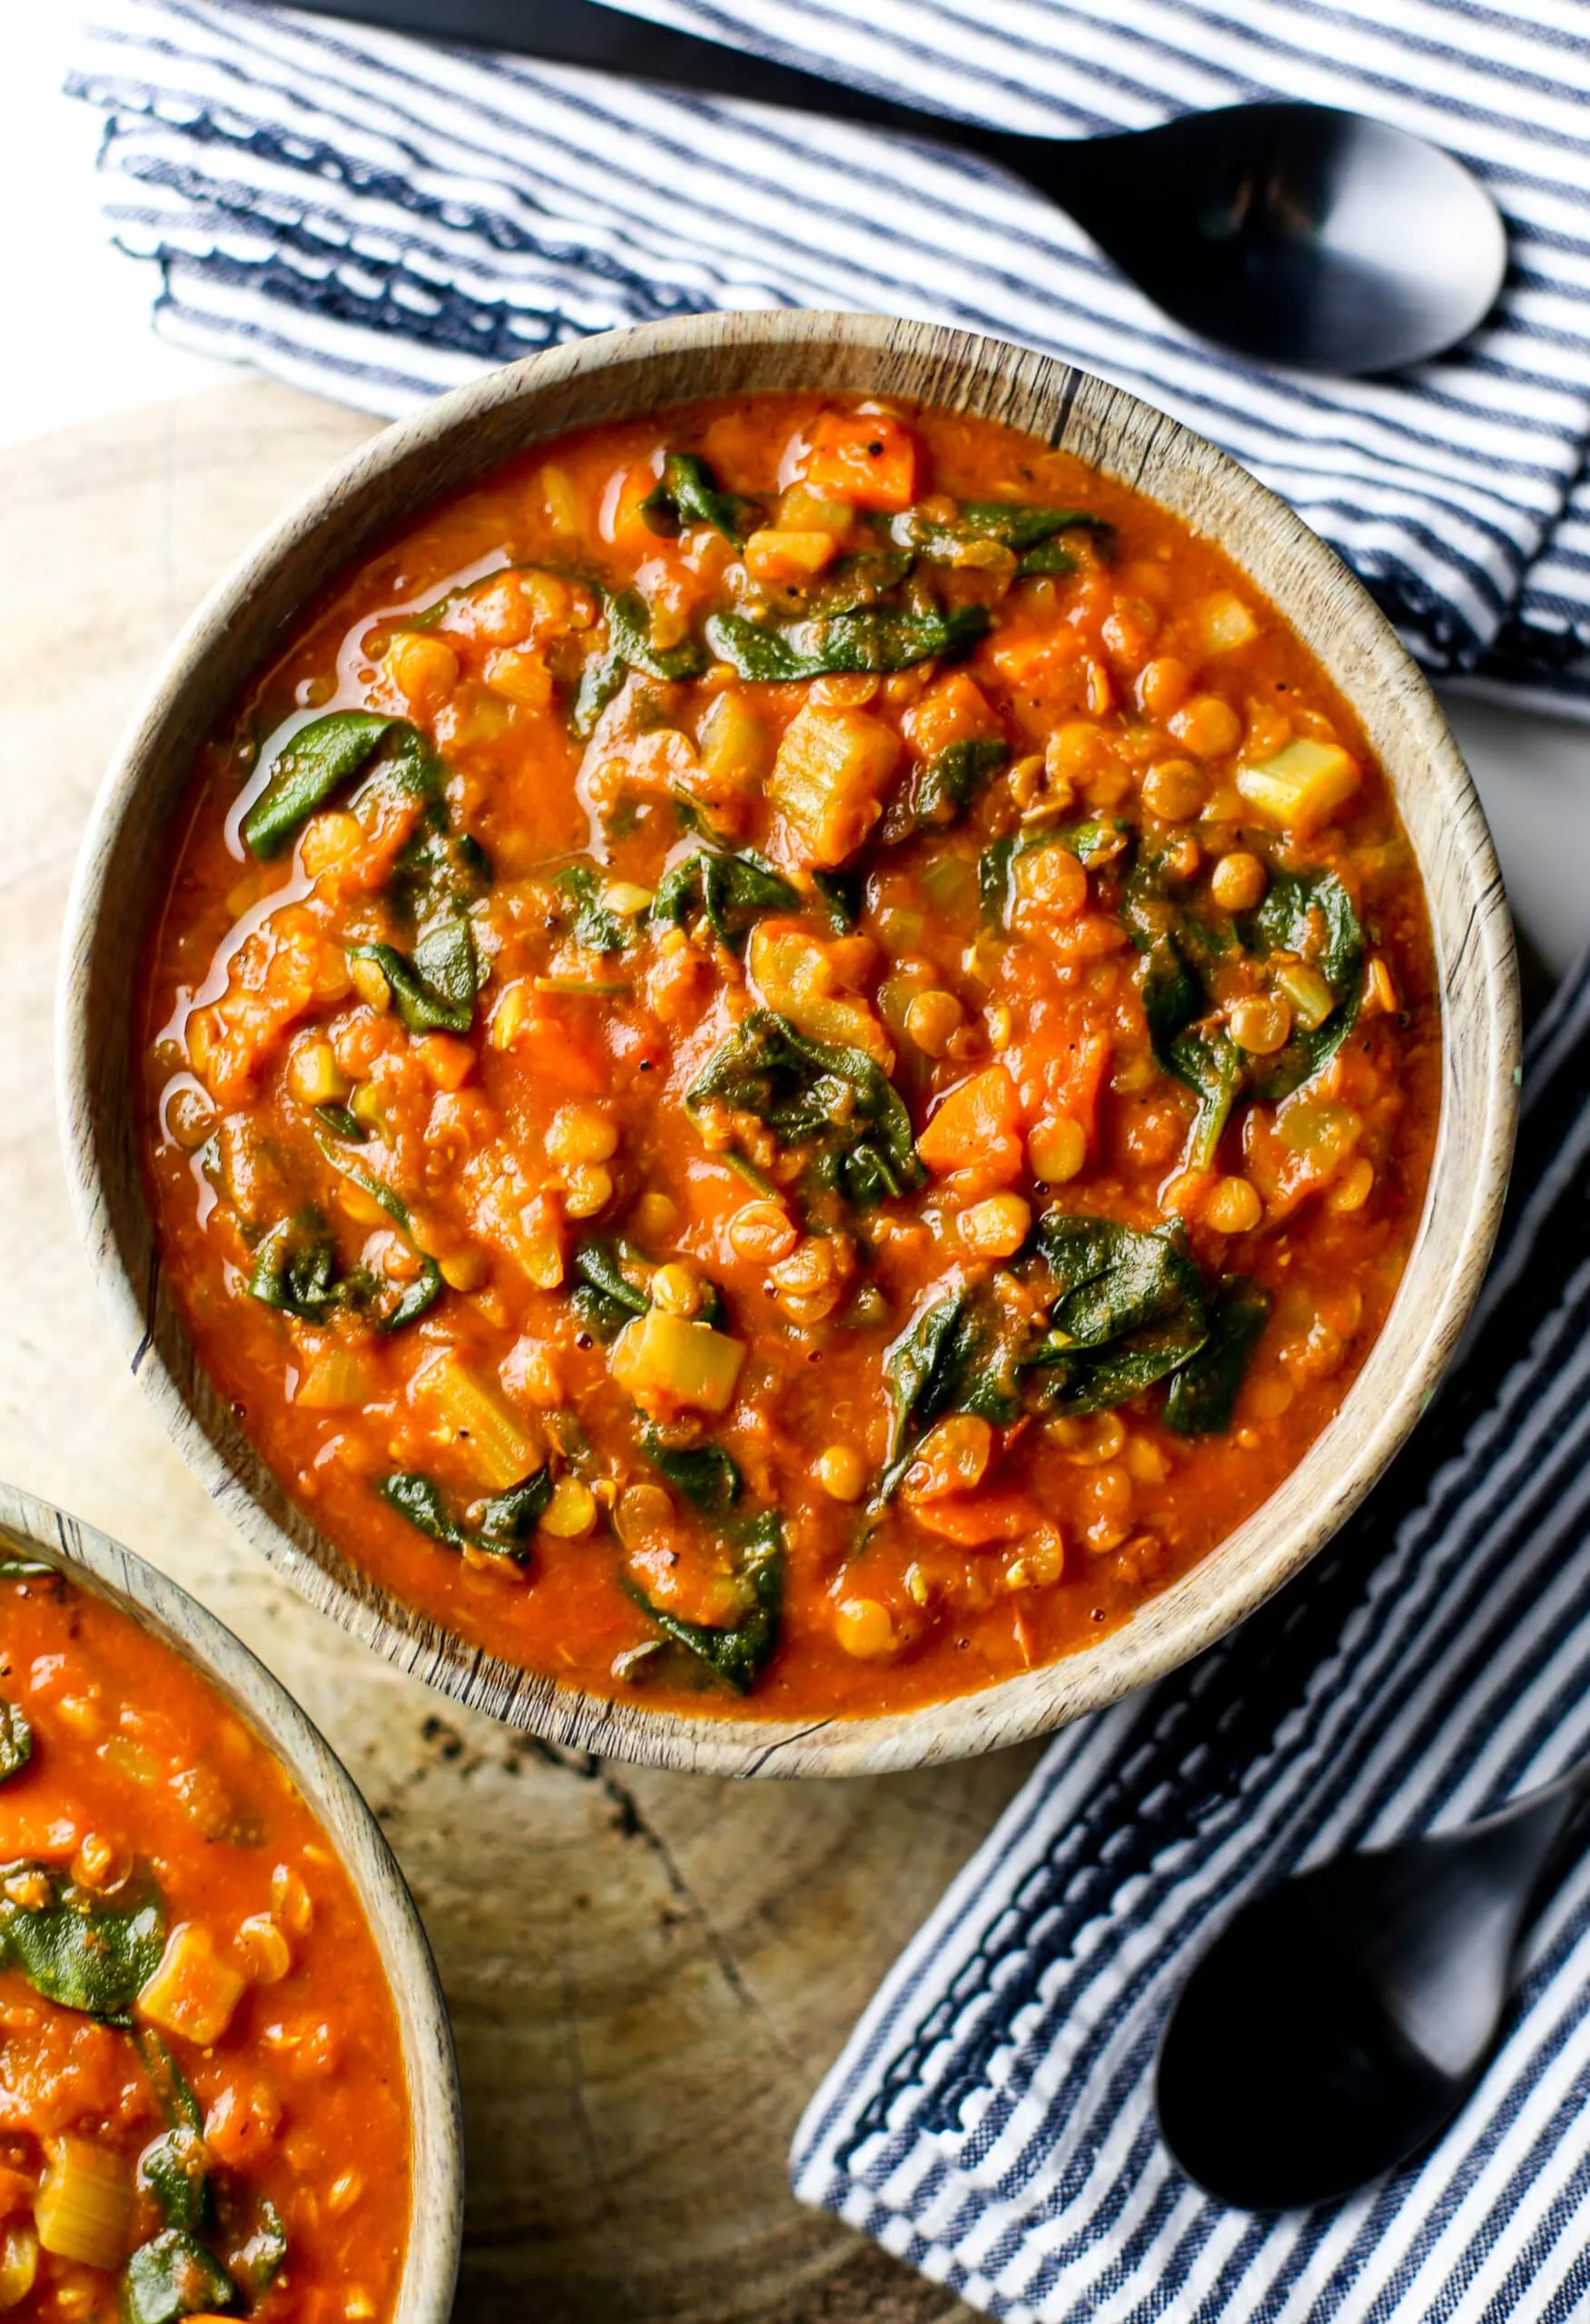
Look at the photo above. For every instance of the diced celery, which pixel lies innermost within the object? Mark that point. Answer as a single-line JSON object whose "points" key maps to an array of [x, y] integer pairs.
{"points": [[829, 776], [84, 2208], [192, 1993], [1311, 998], [1302, 785], [685, 1363], [1224, 623], [501, 1448]]}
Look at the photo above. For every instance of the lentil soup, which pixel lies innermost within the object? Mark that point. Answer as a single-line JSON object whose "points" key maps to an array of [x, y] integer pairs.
{"points": [[203, 2107], [793, 1054]]}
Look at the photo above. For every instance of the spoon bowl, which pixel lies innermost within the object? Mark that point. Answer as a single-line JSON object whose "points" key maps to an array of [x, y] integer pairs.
{"points": [[1291, 233], [1338, 2022]]}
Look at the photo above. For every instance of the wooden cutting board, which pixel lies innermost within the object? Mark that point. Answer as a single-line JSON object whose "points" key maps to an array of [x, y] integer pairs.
{"points": [[647, 1973]]}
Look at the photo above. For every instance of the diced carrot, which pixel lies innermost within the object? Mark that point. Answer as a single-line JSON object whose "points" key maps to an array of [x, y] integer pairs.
{"points": [[865, 457], [624, 525], [954, 709], [34, 1830], [977, 1126], [448, 1062], [972, 1520], [1075, 1090]]}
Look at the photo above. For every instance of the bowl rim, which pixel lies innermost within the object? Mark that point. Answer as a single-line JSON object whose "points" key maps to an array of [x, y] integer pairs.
{"points": [[473, 430], [151, 1598]]}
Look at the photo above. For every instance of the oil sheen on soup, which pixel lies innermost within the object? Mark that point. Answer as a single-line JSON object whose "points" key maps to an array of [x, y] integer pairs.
{"points": [[203, 2102], [791, 1054]]}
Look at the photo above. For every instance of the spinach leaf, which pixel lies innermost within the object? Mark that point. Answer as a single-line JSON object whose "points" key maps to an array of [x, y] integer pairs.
{"points": [[258, 2259], [433, 992], [173, 2276], [319, 758], [873, 638], [16, 1741], [439, 873], [739, 1652], [841, 896], [708, 1476], [1030, 531], [170, 2087], [413, 1298], [687, 493], [503, 1523], [850, 582], [1127, 1310], [342, 1124], [629, 647], [730, 890], [295, 1269], [78, 1949], [1203, 1392], [175, 2171], [1310, 915], [1212, 1067], [839, 1099], [941, 786], [605, 1297], [1095, 841], [595, 926], [993, 877], [963, 1354]]}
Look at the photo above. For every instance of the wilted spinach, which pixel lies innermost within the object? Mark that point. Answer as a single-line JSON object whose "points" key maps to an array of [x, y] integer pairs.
{"points": [[77, 1949], [1310, 913], [1030, 531], [1127, 1310], [595, 926], [629, 647], [323, 755], [807, 1093], [613, 1283], [1203, 1392], [729, 891], [1096, 841], [708, 1476], [740, 1651], [173, 2276], [433, 990], [875, 637], [295, 1269], [16, 1741], [964, 1354], [615, 1287], [501, 1524], [941, 786], [687, 493], [412, 1299]]}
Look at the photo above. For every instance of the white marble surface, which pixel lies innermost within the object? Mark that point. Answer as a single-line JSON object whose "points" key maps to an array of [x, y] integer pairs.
{"points": [[81, 345]]}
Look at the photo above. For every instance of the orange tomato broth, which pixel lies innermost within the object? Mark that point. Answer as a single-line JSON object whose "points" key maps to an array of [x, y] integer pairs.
{"points": [[269, 1997], [1149, 688]]}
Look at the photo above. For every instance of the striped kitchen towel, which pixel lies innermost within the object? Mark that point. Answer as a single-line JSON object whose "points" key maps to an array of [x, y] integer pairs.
{"points": [[378, 217], [991, 2119]]}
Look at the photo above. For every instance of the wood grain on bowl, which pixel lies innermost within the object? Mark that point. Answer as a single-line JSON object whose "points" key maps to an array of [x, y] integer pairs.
{"points": [[273, 1967], [122, 871]]}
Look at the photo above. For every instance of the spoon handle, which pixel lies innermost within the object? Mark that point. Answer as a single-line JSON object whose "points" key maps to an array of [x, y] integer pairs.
{"points": [[608, 39]]}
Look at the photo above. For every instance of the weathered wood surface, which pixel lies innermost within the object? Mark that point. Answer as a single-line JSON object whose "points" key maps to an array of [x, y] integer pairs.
{"points": [[622, 374], [647, 1973]]}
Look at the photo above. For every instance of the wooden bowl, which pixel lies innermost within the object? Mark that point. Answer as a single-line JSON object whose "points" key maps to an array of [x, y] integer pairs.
{"points": [[430, 2267], [122, 867]]}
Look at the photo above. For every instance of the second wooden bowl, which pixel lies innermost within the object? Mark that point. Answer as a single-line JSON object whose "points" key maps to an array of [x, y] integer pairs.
{"points": [[425, 2290], [122, 868]]}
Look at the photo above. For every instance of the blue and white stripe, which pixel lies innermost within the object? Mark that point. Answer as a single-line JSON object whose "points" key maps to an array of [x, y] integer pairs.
{"points": [[380, 218], [991, 2119]]}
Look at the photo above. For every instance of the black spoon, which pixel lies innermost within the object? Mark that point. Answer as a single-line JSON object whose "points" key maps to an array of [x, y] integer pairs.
{"points": [[1291, 233], [1339, 2021]]}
